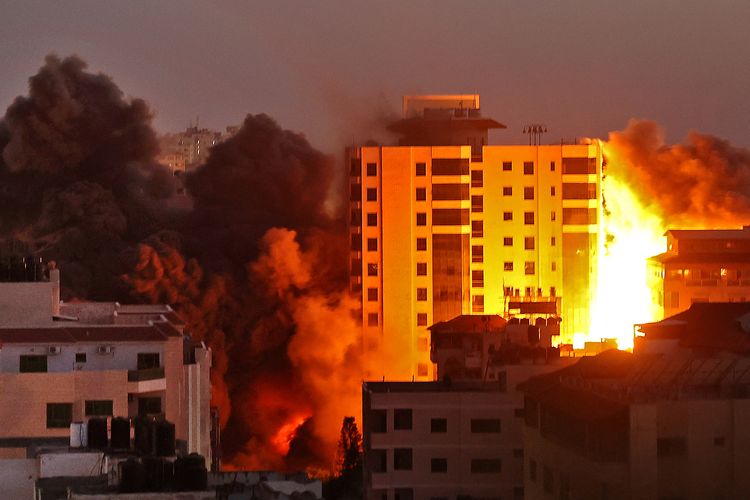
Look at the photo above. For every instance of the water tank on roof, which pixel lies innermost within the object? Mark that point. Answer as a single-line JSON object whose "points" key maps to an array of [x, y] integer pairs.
{"points": [[154, 471], [533, 334], [78, 435], [190, 473], [514, 321], [143, 439], [540, 322], [525, 321], [120, 433], [165, 439], [97, 429], [132, 476]]}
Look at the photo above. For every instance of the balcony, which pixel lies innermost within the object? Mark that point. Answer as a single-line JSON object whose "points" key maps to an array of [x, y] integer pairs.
{"points": [[145, 374], [146, 380]]}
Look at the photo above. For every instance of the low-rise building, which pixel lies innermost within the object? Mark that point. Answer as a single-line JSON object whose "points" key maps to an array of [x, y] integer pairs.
{"points": [[665, 422], [65, 363], [701, 266], [461, 436]]}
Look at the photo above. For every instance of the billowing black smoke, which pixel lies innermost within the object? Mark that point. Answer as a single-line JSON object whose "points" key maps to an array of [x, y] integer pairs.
{"points": [[257, 268]]}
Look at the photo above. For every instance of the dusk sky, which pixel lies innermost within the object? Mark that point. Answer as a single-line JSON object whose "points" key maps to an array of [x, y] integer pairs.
{"points": [[329, 68]]}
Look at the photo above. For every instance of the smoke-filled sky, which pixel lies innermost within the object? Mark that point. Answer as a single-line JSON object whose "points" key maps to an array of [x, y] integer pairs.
{"points": [[583, 67]]}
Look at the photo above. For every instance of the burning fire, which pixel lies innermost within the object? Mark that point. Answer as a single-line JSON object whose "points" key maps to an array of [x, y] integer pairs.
{"points": [[631, 233], [283, 437]]}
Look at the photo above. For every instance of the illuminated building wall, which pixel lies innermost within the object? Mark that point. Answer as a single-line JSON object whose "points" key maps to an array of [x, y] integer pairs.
{"points": [[701, 266], [439, 230]]}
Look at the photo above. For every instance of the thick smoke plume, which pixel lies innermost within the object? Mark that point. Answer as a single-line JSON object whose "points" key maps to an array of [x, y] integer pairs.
{"points": [[704, 182], [257, 268]]}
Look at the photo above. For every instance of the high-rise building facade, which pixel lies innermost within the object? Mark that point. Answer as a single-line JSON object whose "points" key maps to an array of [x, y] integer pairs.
{"points": [[443, 225]]}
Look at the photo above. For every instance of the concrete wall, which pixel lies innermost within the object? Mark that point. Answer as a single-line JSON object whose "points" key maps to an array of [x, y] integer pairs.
{"points": [[17, 478], [124, 355]]}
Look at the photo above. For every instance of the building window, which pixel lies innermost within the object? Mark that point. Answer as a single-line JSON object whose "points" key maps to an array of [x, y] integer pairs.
{"points": [[528, 218], [402, 419], [518, 493], [552, 191], [552, 166], [553, 216], [372, 169], [402, 459], [529, 268], [149, 406], [674, 299], [99, 408], [528, 193], [404, 494], [356, 245], [552, 241], [59, 415], [554, 266], [422, 370], [518, 453], [670, 447], [421, 194], [477, 303], [421, 294], [372, 294], [507, 191], [508, 241], [486, 466], [477, 228], [372, 219], [421, 244], [32, 364], [719, 441], [356, 220], [477, 278], [439, 465], [532, 470], [423, 344], [552, 291], [372, 244], [372, 269], [477, 253], [507, 166], [549, 480], [379, 421], [372, 319], [356, 192], [421, 219], [507, 216], [421, 169], [477, 178], [379, 460], [80, 357], [372, 194], [485, 425], [421, 268], [438, 425], [421, 319], [477, 203], [507, 266], [148, 360], [528, 243]]}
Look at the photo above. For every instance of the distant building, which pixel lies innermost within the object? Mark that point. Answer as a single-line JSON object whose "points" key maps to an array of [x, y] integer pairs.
{"points": [[444, 224], [184, 151], [665, 422], [701, 266], [64, 363], [460, 437]]}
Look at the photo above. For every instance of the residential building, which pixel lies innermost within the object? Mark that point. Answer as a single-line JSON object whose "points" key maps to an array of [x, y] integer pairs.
{"points": [[63, 363], [444, 224], [664, 422], [701, 266], [184, 151], [460, 437]]}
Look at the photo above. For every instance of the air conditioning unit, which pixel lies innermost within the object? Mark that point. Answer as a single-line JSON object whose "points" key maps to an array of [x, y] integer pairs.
{"points": [[105, 349], [54, 349]]}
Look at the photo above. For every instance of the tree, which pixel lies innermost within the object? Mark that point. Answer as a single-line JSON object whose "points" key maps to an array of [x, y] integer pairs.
{"points": [[347, 483]]}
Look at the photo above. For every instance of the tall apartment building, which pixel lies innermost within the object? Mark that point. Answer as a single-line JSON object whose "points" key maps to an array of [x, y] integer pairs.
{"points": [[444, 224], [701, 266]]}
